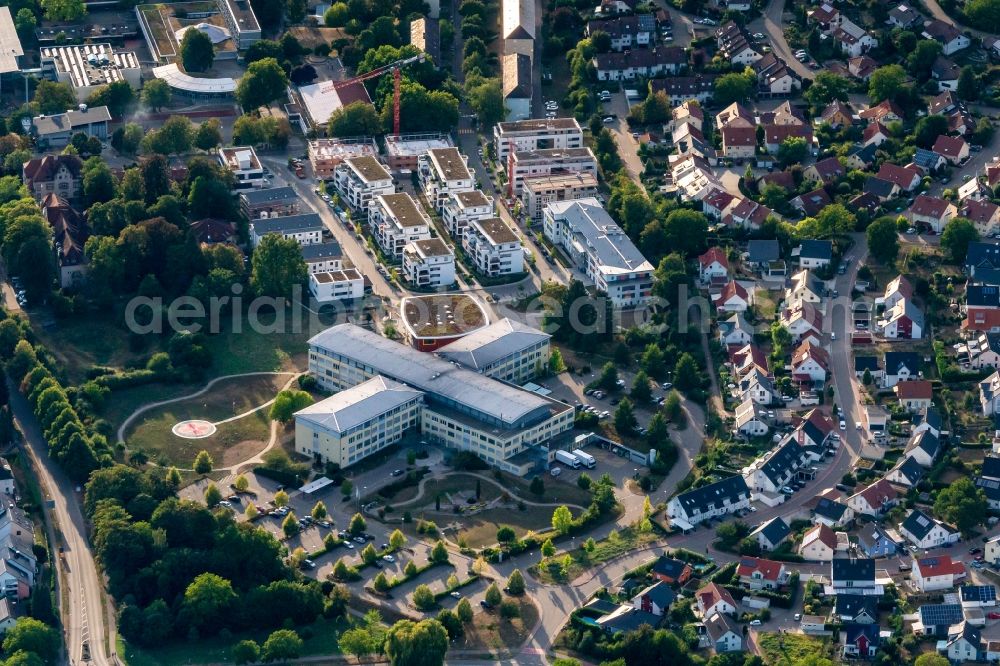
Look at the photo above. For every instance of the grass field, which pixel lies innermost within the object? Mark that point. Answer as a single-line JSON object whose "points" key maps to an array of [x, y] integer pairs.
{"points": [[618, 543], [490, 631], [786, 649], [324, 638], [233, 442], [80, 343]]}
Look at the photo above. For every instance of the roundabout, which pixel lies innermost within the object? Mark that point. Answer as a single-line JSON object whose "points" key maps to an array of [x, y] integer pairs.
{"points": [[194, 429]]}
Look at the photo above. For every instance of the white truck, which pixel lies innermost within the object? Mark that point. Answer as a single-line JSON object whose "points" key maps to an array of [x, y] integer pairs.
{"points": [[585, 458], [568, 459]]}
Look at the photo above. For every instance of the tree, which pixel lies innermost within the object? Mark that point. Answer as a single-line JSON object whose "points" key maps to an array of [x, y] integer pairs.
{"points": [[729, 533], [319, 511], [609, 377], [562, 519], [381, 582], [208, 135], [537, 486], [337, 15], [290, 525], [33, 636], [493, 596], [346, 487], [52, 97], [197, 51], [355, 119], [928, 129], [687, 375], [955, 238], [641, 393], [397, 540], [212, 495], [422, 643], [506, 534], [288, 402], [241, 483], [127, 139], [732, 87], [922, 57], [827, 87], [358, 525], [245, 652], [369, 554], [208, 601], [464, 611], [203, 463], [885, 83], [792, 150], [883, 239], [156, 93], [929, 658], [984, 14], [962, 504], [548, 548], [282, 644], [410, 570], [173, 138], [439, 553], [64, 11], [263, 82], [485, 96], [277, 266], [515, 583], [625, 421], [423, 598], [118, 96], [98, 182], [280, 499]]}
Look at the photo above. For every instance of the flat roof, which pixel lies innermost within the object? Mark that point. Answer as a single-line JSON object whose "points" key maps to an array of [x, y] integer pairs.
{"points": [[90, 64], [178, 80], [357, 405], [537, 125], [496, 230], [10, 43], [342, 148], [404, 210], [449, 164], [562, 181], [554, 155], [481, 396], [409, 145], [243, 14], [431, 247], [442, 315], [472, 198], [320, 100], [286, 223], [328, 277], [368, 168]]}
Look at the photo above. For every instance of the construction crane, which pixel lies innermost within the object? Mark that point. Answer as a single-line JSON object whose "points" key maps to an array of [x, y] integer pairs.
{"points": [[394, 67]]}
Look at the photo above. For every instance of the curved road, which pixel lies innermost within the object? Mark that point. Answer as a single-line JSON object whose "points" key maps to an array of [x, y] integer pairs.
{"points": [[81, 605]]}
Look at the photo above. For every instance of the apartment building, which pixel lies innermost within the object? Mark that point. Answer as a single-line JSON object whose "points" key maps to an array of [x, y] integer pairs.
{"points": [[340, 285], [403, 152], [243, 163], [536, 134], [304, 229], [361, 179], [269, 202], [462, 208], [540, 191], [508, 427], [429, 263], [443, 171], [396, 219], [323, 257], [549, 162], [505, 350], [597, 245], [325, 155], [493, 247], [358, 421]]}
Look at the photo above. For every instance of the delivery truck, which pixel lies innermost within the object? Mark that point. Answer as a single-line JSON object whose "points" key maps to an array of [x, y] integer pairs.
{"points": [[568, 459], [585, 458]]}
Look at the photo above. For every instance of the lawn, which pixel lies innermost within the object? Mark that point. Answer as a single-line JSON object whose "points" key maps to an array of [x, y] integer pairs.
{"points": [[233, 442], [259, 351], [490, 631], [786, 648], [324, 636], [616, 544], [82, 342]]}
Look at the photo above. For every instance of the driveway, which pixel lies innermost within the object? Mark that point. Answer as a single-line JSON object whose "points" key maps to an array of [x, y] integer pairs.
{"points": [[770, 24], [628, 147]]}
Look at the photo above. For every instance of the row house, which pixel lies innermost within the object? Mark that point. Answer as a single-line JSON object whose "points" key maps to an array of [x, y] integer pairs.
{"points": [[640, 63], [736, 46], [680, 89], [721, 498], [776, 469], [626, 32], [774, 77]]}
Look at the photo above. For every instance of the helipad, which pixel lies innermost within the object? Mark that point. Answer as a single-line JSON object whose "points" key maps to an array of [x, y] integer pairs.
{"points": [[195, 429]]}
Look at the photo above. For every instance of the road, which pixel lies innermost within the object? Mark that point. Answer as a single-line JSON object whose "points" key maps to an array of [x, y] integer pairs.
{"points": [[770, 24], [937, 12], [81, 607], [628, 146]]}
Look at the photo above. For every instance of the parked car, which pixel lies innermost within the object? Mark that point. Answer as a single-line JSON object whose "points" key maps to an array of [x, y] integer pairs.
{"points": [[388, 558], [397, 472], [456, 594], [755, 623]]}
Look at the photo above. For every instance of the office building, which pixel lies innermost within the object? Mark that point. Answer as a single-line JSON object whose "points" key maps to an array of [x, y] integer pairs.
{"points": [[507, 350], [57, 130], [243, 163], [87, 67], [242, 24]]}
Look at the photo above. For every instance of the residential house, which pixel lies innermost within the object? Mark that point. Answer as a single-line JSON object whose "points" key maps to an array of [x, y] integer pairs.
{"points": [[928, 160], [626, 32], [749, 358], [775, 135], [905, 17], [832, 513], [925, 532], [989, 395], [898, 289], [984, 214], [826, 171], [874, 500], [805, 288], [869, 363], [877, 541], [952, 148], [932, 212], [852, 39], [989, 481], [819, 544], [978, 596], [901, 367], [705, 502], [747, 214], [883, 112], [739, 143], [718, 203], [735, 331], [811, 203], [905, 178], [757, 386], [992, 550], [929, 420], [861, 67], [923, 446], [937, 619], [640, 63], [771, 533], [655, 599], [855, 609], [853, 575], [837, 114], [69, 235], [951, 38], [861, 641], [776, 468], [875, 134], [810, 364], [815, 253], [775, 78], [826, 17], [946, 73], [714, 599], [966, 644], [724, 634], [759, 574], [736, 46], [882, 189], [625, 619], [982, 308], [814, 430], [907, 472], [974, 190], [733, 298], [750, 419], [914, 396], [59, 174], [805, 322], [861, 156], [930, 574], [671, 571], [713, 265], [762, 254]]}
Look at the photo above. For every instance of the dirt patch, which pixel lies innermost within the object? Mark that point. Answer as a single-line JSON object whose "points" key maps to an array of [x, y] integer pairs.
{"points": [[490, 631], [242, 451]]}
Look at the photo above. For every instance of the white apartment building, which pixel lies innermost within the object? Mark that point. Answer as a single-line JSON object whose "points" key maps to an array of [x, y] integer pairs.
{"points": [[396, 219], [505, 350], [88, 67], [464, 207], [596, 244], [304, 229], [536, 134], [506, 426], [341, 285], [549, 162], [493, 247], [538, 192], [429, 263], [361, 179], [443, 171], [243, 163], [358, 421]]}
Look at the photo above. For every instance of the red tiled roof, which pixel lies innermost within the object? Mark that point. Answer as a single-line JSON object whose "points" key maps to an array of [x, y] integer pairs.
{"points": [[927, 206], [918, 390], [712, 594], [821, 533], [769, 569], [809, 350], [733, 135], [873, 129], [939, 565], [881, 491], [948, 146], [778, 133], [712, 255], [734, 288], [979, 211]]}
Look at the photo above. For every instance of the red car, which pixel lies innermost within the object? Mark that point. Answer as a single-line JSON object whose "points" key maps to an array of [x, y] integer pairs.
{"points": [[993, 616]]}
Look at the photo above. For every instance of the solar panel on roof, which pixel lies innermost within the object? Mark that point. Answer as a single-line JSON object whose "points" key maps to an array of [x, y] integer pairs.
{"points": [[981, 593], [941, 614]]}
